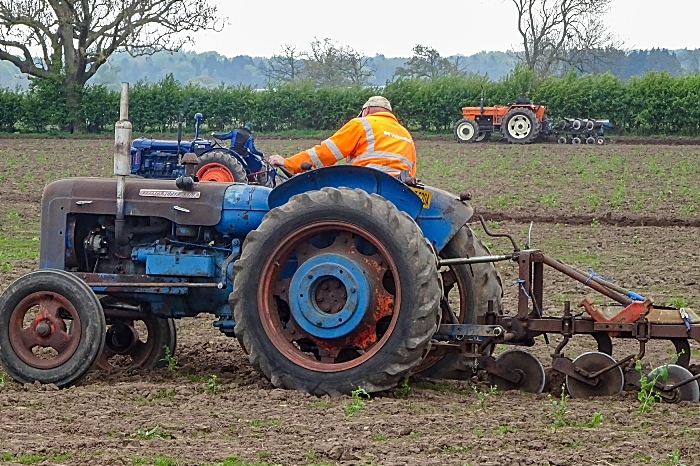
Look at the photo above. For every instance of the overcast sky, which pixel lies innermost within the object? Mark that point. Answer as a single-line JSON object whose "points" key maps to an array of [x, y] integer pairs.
{"points": [[394, 27]]}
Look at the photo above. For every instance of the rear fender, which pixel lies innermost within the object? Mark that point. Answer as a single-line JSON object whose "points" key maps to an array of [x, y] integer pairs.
{"points": [[439, 222]]}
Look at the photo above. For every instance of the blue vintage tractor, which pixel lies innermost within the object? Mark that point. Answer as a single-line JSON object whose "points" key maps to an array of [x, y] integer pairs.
{"points": [[329, 281], [160, 159]]}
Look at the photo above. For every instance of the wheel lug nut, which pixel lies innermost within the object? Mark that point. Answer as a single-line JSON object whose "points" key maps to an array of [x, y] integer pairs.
{"points": [[319, 299], [43, 329]]}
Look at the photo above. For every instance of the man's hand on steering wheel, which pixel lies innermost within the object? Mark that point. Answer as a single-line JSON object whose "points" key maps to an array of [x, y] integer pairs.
{"points": [[276, 160]]}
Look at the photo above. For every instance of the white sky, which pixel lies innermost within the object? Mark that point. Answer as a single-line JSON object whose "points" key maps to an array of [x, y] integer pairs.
{"points": [[449, 26]]}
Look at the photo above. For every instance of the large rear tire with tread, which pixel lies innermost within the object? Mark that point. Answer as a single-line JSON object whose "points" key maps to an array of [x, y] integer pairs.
{"points": [[362, 268], [36, 312], [220, 165], [477, 284], [521, 126]]}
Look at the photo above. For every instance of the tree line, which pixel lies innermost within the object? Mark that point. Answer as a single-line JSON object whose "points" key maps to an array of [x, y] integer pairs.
{"points": [[654, 103], [63, 45]]}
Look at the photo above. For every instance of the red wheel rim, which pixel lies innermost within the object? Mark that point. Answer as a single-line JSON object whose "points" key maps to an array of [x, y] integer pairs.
{"points": [[46, 329], [215, 172], [341, 353]]}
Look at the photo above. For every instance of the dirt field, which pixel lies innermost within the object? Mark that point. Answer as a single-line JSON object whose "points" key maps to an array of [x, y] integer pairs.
{"points": [[629, 211]]}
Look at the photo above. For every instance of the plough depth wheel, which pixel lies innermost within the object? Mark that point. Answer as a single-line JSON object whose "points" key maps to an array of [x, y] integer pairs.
{"points": [[36, 312], [337, 289], [676, 374], [608, 383], [532, 375]]}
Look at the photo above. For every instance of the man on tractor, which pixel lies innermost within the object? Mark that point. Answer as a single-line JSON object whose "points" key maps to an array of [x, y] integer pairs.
{"points": [[242, 141], [374, 139]]}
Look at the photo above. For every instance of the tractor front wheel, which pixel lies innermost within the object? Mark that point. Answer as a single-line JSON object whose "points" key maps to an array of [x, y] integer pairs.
{"points": [[51, 328], [220, 165], [466, 130], [336, 289]]}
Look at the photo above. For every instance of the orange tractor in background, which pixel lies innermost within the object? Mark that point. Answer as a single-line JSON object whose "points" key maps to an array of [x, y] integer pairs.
{"points": [[520, 123]]}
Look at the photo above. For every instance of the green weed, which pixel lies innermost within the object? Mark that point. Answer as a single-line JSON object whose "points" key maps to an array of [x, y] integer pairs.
{"points": [[212, 386], [505, 429], [647, 395], [169, 359], [150, 434], [356, 403], [678, 302], [33, 458], [482, 396], [673, 459], [686, 210], [402, 390], [549, 199], [560, 409]]}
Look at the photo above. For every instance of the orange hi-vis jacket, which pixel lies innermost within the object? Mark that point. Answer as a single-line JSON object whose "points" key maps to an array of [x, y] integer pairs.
{"points": [[376, 141]]}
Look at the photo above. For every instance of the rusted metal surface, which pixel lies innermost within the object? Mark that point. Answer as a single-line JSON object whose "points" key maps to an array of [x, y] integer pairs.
{"points": [[368, 337], [46, 329]]}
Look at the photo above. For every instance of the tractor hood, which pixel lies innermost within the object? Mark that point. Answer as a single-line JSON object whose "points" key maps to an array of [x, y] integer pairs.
{"points": [[169, 146], [158, 198]]}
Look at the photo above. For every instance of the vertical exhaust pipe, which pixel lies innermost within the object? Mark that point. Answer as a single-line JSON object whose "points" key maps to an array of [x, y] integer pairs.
{"points": [[122, 160]]}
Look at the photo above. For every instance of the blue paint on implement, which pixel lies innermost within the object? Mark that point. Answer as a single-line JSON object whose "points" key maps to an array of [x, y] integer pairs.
{"points": [[331, 277]]}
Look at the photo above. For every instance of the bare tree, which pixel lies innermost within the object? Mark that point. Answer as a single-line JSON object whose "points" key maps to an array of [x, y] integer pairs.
{"points": [[558, 34], [427, 63], [286, 66], [73, 38], [324, 64], [355, 66]]}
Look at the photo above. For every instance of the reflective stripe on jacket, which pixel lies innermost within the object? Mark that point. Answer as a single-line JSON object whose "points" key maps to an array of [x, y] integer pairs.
{"points": [[376, 141]]}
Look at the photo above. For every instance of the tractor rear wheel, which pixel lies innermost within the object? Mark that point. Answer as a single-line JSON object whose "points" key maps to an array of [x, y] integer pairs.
{"points": [[220, 165], [521, 126], [467, 291], [336, 289], [466, 130], [36, 312]]}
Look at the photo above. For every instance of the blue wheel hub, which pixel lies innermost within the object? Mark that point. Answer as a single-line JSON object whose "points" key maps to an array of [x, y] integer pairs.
{"points": [[329, 295]]}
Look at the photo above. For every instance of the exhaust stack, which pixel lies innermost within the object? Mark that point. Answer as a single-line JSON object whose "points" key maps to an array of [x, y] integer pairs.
{"points": [[122, 160]]}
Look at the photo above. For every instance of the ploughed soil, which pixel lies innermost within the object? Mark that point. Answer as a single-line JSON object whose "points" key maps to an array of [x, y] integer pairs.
{"points": [[627, 211]]}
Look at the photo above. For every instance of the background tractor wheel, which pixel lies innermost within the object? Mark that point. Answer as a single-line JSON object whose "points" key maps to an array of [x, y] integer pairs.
{"points": [[36, 312], [466, 130], [467, 291], [576, 140], [600, 140], [562, 140], [590, 140], [520, 126], [220, 165], [483, 136], [336, 289]]}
